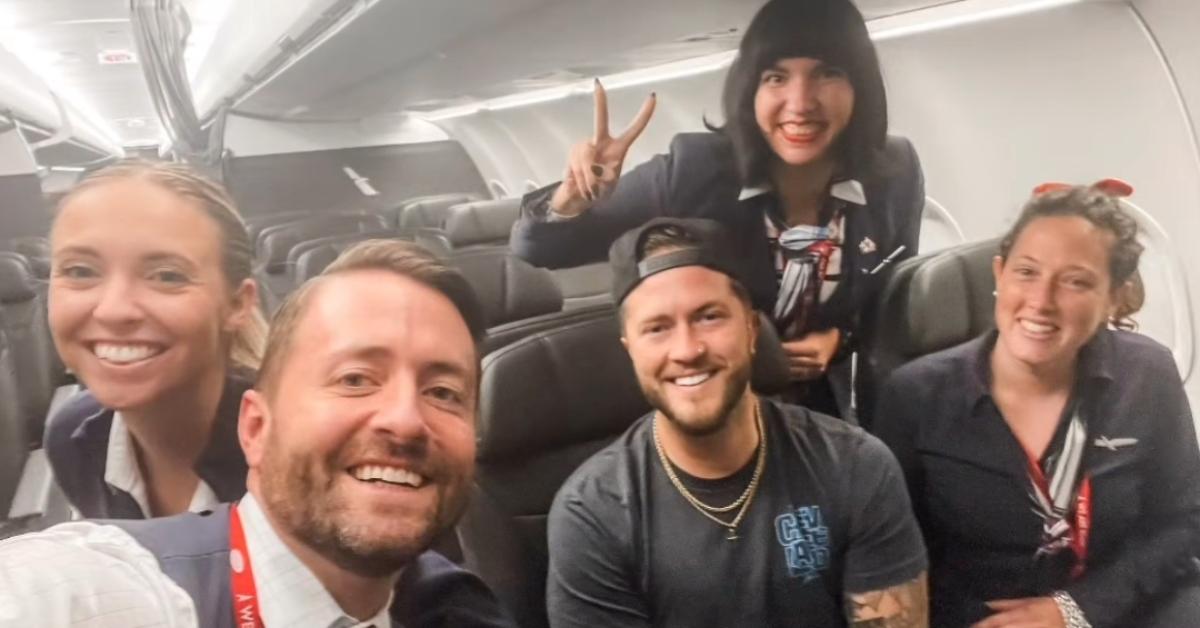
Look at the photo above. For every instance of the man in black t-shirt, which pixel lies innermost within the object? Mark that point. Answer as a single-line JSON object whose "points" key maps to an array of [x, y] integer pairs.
{"points": [[721, 508]]}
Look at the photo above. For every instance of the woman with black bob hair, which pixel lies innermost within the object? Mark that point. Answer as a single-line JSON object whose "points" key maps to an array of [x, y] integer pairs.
{"points": [[803, 175], [1052, 462]]}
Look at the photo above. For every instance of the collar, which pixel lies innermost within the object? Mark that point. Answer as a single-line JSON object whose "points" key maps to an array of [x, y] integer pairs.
{"points": [[222, 465], [1095, 362], [289, 593], [849, 190], [122, 472]]}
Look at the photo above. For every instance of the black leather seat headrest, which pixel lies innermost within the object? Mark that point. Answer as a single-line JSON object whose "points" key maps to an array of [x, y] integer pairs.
{"points": [[557, 388], [17, 283], [482, 222], [933, 302], [949, 299], [573, 384], [313, 260], [278, 240], [509, 288]]}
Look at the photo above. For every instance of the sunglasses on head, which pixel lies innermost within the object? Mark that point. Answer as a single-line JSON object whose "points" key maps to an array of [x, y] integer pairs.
{"points": [[1115, 188]]}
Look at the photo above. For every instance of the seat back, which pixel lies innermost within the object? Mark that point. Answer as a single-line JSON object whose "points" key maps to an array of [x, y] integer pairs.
{"points": [[304, 246], [23, 320], [428, 211], [36, 250], [256, 223], [509, 288], [482, 222], [930, 302], [14, 436], [585, 286], [313, 259], [276, 242], [548, 401]]}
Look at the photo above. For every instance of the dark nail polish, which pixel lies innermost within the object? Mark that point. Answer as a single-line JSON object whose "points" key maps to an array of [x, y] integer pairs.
{"points": [[598, 170]]}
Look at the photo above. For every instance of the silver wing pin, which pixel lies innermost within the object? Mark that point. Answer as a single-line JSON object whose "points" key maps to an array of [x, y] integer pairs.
{"points": [[1112, 444]]}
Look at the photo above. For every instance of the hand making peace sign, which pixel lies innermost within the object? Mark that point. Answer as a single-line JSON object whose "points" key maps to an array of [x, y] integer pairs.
{"points": [[594, 165]]}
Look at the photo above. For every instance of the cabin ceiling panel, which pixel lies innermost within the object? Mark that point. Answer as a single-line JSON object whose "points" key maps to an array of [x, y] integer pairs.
{"points": [[63, 40], [406, 55]]}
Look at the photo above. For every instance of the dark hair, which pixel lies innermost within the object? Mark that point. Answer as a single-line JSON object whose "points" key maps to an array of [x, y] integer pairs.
{"points": [[1104, 211], [402, 258], [830, 30]]}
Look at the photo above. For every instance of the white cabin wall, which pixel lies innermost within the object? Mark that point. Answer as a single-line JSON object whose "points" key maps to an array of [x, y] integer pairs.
{"points": [[1174, 25], [1075, 93], [252, 136]]}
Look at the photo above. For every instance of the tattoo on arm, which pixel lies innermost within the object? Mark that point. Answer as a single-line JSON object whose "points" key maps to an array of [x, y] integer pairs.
{"points": [[902, 606]]}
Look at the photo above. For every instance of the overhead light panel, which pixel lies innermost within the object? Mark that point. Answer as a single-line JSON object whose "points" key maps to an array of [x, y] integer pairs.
{"points": [[955, 14], [42, 62]]}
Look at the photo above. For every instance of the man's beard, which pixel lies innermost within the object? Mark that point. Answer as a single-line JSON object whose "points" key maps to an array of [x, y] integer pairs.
{"points": [[735, 388], [301, 495]]}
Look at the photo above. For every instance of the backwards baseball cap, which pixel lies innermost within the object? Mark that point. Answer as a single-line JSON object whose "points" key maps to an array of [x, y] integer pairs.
{"points": [[711, 249]]}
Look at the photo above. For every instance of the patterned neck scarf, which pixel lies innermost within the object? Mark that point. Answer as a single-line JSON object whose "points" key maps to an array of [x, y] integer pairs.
{"points": [[1063, 500]]}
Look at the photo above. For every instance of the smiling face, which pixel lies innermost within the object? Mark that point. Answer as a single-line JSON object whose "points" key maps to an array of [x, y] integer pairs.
{"points": [[138, 304], [364, 445], [802, 106], [1053, 292], [690, 338]]}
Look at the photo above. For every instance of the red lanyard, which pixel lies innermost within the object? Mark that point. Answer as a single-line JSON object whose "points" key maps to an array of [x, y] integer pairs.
{"points": [[245, 594], [1082, 528]]}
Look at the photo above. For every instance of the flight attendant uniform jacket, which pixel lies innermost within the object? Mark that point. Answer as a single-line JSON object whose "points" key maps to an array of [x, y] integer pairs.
{"points": [[970, 487], [698, 178], [76, 444]]}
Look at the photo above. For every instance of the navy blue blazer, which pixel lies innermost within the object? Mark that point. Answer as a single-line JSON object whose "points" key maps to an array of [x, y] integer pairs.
{"points": [[193, 550], [76, 443], [698, 178], [970, 489]]}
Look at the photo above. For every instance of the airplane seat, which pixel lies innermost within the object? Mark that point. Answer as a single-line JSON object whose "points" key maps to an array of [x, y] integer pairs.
{"points": [[36, 250], [256, 223], [930, 302], [23, 320], [304, 246], [505, 334], [312, 261], [428, 211], [277, 241], [549, 401], [482, 223], [15, 439], [585, 286], [509, 288]]}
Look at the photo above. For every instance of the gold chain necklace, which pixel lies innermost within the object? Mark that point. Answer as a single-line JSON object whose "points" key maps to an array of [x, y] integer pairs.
{"points": [[747, 495]]}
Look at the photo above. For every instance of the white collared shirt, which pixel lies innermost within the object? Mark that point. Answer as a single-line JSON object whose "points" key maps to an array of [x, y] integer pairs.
{"points": [[288, 592], [87, 575], [122, 472]]}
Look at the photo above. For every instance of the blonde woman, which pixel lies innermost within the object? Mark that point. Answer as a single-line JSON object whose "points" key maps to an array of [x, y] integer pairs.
{"points": [[152, 306]]}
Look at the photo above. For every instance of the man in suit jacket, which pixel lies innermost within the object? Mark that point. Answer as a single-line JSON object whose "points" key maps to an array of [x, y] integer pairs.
{"points": [[360, 441]]}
